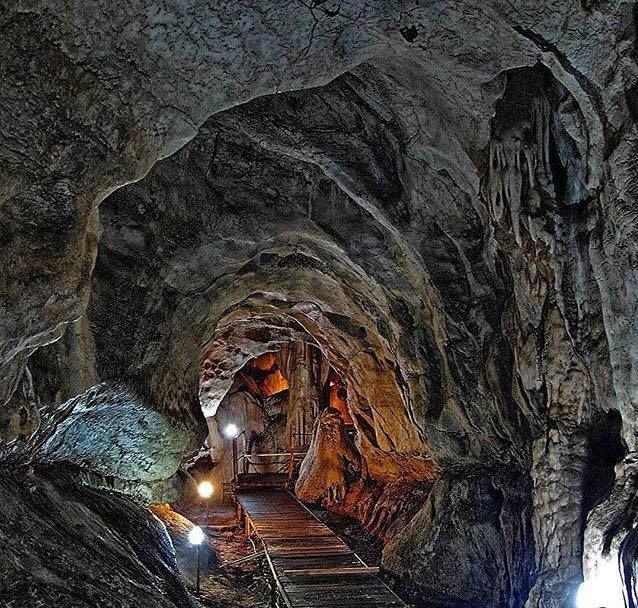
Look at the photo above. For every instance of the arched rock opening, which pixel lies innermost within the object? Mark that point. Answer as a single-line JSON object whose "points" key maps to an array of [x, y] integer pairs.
{"points": [[387, 442]]}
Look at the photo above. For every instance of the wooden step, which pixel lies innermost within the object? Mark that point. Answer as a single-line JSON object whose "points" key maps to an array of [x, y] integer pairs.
{"points": [[311, 565], [248, 481], [357, 571]]}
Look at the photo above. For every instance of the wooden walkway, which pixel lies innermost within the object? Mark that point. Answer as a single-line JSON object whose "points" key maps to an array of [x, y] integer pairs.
{"points": [[313, 568]]}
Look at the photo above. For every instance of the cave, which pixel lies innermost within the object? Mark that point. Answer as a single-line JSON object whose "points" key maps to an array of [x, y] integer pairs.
{"points": [[263, 426], [318, 303]]}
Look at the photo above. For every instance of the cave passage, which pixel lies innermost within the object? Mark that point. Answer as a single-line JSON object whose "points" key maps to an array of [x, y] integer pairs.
{"points": [[376, 257], [282, 430], [272, 418]]}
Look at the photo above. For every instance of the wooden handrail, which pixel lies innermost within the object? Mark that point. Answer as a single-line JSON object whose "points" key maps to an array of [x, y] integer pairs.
{"points": [[286, 460], [286, 454]]}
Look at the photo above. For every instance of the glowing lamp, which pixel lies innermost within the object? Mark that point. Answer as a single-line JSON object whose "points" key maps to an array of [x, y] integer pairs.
{"points": [[603, 589], [196, 536], [205, 489], [231, 431]]}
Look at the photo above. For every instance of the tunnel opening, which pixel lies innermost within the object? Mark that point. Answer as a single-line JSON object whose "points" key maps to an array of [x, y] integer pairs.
{"points": [[288, 423], [606, 450], [265, 422]]}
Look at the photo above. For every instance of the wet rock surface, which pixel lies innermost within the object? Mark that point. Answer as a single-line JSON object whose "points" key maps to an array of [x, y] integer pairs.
{"points": [[111, 431], [66, 545]]}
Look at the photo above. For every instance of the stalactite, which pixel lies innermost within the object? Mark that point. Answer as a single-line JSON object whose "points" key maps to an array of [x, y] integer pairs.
{"points": [[519, 160]]}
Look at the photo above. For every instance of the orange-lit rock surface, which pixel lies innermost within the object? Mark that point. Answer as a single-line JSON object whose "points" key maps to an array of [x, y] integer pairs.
{"points": [[383, 509], [337, 397], [263, 363], [330, 459], [274, 383]]}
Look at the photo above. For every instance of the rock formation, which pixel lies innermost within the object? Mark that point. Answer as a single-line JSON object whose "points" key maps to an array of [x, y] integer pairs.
{"points": [[330, 458], [438, 197], [67, 545]]}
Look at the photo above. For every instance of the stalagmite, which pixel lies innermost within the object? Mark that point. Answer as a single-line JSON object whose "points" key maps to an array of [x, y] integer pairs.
{"points": [[299, 365], [330, 459]]}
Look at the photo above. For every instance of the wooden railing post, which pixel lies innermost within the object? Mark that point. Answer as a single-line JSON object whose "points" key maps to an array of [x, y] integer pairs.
{"points": [[291, 466]]}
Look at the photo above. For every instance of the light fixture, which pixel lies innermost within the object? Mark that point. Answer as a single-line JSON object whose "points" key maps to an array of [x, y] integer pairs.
{"points": [[231, 431], [196, 536], [603, 589], [205, 489]]}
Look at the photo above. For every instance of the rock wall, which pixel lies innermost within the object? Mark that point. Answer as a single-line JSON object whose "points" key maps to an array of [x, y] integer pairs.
{"points": [[68, 545]]}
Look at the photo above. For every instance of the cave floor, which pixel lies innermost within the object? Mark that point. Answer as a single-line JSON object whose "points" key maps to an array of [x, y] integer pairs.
{"points": [[247, 583], [312, 565], [244, 585]]}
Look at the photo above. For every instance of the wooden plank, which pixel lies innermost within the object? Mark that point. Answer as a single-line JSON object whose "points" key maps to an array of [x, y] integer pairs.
{"points": [[299, 563], [271, 535], [309, 544], [351, 571], [312, 567], [383, 603], [275, 547], [373, 586], [318, 552], [333, 594]]}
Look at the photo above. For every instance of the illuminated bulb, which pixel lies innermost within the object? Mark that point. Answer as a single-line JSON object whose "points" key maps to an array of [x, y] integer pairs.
{"points": [[196, 536], [603, 590], [205, 489], [231, 431]]}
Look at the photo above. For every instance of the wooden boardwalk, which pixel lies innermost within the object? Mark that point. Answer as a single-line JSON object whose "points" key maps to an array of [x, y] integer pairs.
{"points": [[313, 568]]}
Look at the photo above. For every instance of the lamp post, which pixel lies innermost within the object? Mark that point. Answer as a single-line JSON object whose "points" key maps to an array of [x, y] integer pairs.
{"points": [[196, 537], [205, 490], [232, 432]]}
